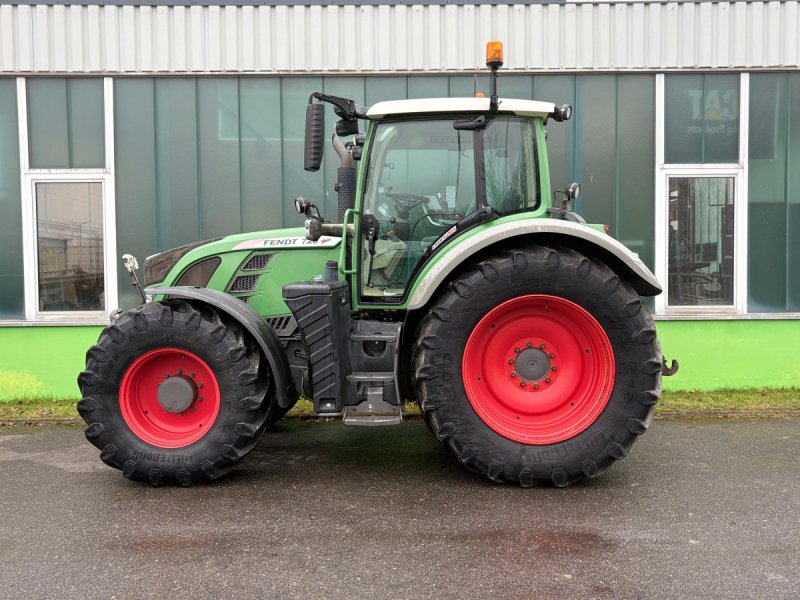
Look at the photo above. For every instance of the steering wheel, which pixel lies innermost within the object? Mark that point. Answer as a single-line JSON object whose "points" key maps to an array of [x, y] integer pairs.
{"points": [[405, 202]]}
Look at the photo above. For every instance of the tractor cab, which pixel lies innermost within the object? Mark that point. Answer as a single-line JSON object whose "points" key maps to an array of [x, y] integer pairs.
{"points": [[428, 171]]}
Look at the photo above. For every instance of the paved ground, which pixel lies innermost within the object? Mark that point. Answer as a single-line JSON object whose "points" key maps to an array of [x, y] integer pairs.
{"points": [[699, 510]]}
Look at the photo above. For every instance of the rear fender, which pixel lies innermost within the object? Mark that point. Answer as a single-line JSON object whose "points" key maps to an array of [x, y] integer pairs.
{"points": [[255, 325], [589, 241]]}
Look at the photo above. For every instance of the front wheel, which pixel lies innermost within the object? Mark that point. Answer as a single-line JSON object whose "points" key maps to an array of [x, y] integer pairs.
{"points": [[174, 394], [539, 365]]}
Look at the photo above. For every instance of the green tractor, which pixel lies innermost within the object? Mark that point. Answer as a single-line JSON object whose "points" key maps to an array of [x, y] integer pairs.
{"points": [[451, 279]]}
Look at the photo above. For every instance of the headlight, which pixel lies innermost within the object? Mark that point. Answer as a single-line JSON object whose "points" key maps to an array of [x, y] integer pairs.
{"points": [[199, 274], [157, 266]]}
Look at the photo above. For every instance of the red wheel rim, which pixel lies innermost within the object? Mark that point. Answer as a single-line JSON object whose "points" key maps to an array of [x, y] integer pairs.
{"points": [[144, 414], [538, 369]]}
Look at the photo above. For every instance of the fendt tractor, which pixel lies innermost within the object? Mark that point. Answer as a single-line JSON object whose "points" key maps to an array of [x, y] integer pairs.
{"points": [[454, 278]]}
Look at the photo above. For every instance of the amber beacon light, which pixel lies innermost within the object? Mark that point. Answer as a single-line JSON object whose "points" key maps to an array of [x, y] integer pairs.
{"points": [[494, 55], [494, 60]]}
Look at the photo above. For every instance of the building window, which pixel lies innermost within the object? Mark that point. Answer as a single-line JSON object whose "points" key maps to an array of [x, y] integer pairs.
{"points": [[69, 238], [701, 234], [66, 160], [701, 212]]}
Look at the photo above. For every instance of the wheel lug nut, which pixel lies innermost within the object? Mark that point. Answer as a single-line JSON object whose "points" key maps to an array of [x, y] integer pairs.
{"points": [[541, 346], [166, 375], [547, 380], [516, 350], [529, 344], [552, 355], [513, 374], [521, 384], [511, 361], [554, 369], [536, 386]]}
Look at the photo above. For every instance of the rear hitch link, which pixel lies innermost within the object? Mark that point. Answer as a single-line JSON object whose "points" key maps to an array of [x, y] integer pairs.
{"points": [[669, 371]]}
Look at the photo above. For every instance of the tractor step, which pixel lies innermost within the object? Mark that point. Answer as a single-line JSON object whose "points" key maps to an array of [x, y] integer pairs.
{"points": [[373, 411]]}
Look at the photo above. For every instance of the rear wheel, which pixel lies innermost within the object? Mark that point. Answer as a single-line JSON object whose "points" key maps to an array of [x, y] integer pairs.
{"points": [[174, 394], [539, 365]]}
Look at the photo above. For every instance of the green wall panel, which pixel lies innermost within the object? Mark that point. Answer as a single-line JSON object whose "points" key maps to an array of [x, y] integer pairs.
{"points": [[219, 161], [45, 361], [710, 353], [774, 193], [177, 163], [296, 181], [596, 125], [261, 154], [634, 219], [559, 89], [136, 182], [12, 298]]}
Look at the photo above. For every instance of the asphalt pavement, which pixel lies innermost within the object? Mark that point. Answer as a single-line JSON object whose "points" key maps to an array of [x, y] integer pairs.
{"points": [[321, 510]]}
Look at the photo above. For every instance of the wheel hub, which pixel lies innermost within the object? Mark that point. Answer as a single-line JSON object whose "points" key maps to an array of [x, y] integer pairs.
{"points": [[532, 364], [176, 394]]}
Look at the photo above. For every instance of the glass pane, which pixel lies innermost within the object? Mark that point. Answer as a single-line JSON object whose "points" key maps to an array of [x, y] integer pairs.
{"points": [[11, 279], [510, 165], [65, 120], [69, 229], [87, 144], [414, 206], [701, 241], [701, 118], [48, 124]]}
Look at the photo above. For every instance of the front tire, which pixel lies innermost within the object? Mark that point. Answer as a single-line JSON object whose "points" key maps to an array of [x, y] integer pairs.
{"points": [[174, 394], [538, 366]]}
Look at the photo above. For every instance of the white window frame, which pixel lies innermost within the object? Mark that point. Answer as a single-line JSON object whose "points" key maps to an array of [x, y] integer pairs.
{"points": [[739, 173], [29, 178]]}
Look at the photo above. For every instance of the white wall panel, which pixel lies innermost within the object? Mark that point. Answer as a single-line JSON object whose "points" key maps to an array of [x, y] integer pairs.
{"points": [[378, 39]]}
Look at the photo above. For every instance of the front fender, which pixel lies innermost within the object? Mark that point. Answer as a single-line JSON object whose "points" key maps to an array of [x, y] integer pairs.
{"points": [[625, 263], [254, 324]]}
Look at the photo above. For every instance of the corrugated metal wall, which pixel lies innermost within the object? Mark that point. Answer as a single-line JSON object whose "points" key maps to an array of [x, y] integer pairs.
{"points": [[330, 39]]}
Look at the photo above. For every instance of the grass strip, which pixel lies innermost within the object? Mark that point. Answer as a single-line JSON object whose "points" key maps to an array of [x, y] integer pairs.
{"points": [[741, 403]]}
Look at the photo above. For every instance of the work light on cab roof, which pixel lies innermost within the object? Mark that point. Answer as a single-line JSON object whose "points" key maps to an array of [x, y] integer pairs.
{"points": [[453, 276]]}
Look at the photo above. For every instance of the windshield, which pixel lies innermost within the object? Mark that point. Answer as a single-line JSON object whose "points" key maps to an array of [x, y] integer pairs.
{"points": [[422, 181]]}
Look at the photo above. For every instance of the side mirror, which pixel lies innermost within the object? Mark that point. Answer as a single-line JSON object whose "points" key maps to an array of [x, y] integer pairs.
{"points": [[315, 129]]}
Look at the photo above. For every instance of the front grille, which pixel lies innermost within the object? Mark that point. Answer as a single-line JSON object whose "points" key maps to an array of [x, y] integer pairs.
{"points": [[257, 262], [244, 283]]}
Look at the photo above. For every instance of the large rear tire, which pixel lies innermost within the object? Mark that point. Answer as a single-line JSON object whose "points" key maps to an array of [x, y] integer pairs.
{"points": [[174, 394], [538, 366]]}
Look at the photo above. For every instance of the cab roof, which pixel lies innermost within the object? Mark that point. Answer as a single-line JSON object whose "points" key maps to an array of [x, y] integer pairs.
{"points": [[528, 108]]}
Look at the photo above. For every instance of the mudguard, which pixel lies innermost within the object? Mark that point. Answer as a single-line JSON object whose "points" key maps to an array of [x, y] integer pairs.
{"points": [[625, 263], [253, 323]]}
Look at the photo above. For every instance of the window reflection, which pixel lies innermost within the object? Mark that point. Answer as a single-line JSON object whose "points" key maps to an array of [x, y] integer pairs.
{"points": [[701, 241], [69, 221]]}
